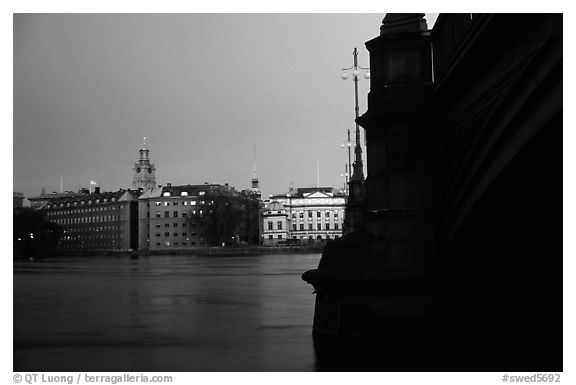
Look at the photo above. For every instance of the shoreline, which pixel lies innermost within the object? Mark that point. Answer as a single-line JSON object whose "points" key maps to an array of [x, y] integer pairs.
{"points": [[248, 250]]}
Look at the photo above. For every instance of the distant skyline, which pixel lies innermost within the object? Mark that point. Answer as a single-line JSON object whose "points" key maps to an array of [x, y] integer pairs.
{"points": [[203, 88]]}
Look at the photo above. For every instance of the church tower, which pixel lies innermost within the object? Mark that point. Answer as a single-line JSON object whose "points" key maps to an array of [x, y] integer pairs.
{"points": [[144, 171]]}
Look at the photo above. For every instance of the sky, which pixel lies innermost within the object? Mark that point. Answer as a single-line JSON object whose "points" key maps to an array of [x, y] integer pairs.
{"points": [[203, 88]]}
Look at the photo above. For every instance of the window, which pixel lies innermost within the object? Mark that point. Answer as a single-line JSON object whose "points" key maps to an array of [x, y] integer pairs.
{"points": [[166, 224], [270, 225], [175, 234], [327, 226], [166, 194], [157, 235], [270, 237], [184, 193], [327, 214], [301, 226], [279, 236], [294, 215], [310, 226], [157, 225], [184, 225], [184, 213], [166, 203], [301, 214], [166, 214], [166, 234], [294, 226], [157, 243], [279, 223], [318, 214], [184, 243], [309, 214], [184, 234], [175, 203], [175, 214], [319, 226], [336, 226], [201, 193], [185, 203]]}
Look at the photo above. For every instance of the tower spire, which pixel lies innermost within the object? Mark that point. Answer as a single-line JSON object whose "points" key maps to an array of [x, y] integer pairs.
{"points": [[254, 172], [255, 184]]}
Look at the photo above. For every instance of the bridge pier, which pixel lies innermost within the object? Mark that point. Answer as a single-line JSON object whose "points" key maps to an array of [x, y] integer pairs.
{"points": [[452, 244]]}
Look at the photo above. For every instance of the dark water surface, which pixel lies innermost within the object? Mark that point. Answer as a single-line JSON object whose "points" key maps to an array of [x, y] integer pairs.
{"points": [[164, 313]]}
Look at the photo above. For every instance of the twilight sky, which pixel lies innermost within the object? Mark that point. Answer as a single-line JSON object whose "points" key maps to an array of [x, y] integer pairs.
{"points": [[203, 88]]}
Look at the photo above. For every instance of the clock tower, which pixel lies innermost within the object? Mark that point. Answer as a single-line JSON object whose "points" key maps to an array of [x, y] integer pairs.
{"points": [[144, 171]]}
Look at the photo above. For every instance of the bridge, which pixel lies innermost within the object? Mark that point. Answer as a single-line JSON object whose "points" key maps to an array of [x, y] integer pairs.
{"points": [[458, 262]]}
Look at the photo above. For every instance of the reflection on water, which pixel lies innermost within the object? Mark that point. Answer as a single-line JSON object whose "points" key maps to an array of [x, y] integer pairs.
{"points": [[164, 313]]}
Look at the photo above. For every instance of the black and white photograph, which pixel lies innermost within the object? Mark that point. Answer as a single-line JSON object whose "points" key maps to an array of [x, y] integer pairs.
{"points": [[287, 192]]}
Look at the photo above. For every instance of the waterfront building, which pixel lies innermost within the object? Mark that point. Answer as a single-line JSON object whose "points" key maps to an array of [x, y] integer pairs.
{"points": [[144, 172], [18, 200], [99, 220], [314, 214], [276, 220], [172, 217]]}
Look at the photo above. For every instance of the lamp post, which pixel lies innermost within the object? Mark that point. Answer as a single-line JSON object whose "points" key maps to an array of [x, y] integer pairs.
{"points": [[348, 145], [345, 175], [354, 218], [358, 169]]}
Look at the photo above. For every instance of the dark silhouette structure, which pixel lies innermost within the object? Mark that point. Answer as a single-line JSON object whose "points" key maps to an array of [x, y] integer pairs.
{"points": [[458, 265]]}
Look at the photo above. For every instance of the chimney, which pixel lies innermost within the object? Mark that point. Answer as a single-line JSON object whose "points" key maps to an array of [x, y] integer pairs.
{"points": [[168, 184]]}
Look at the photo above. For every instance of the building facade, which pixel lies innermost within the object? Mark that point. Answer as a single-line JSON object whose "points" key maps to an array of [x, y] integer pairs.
{"points": [[104, 221], [169, 217], [314, 214], [276, 221]]}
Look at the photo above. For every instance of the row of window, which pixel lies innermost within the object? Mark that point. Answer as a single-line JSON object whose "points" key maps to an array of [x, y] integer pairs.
{"points": [[295, 227], [86, 210], [176, 244], [175, 224], [80, 203], [91, 219], [182, 193], [302, 237], [175, 214], [167, 234], [182, 203], [310, 214], [92, 237], [90, 245], [93, 229]]}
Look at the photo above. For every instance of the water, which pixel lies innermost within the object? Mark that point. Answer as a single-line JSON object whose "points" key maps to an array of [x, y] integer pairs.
{"points": [[164, 313]]}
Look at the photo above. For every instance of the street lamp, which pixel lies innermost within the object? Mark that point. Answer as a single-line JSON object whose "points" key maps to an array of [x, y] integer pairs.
{"points": [[345, 175], [348, 145], [358, 172]]}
